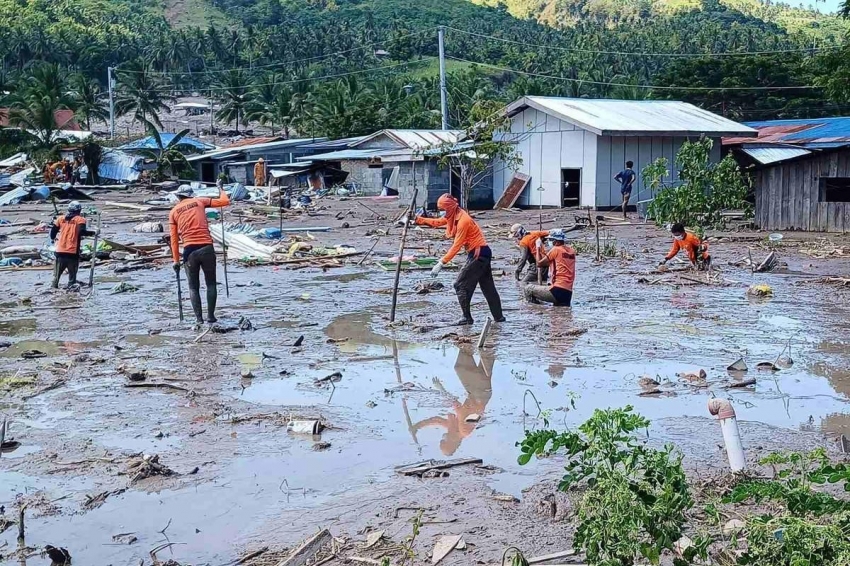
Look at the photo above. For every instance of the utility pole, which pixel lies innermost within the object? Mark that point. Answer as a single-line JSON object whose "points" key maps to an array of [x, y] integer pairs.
{"points": [[111, 84], [444, 103]]}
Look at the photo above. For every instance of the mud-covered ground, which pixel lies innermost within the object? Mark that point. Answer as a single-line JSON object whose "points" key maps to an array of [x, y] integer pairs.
{"points": [[241, 482]]}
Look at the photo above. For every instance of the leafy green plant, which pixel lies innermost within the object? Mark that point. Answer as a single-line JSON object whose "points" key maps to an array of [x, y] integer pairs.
{"points": [[792, 541], [706, 189], [636, 497], [408, 555], [795, 475], [168, 157]]}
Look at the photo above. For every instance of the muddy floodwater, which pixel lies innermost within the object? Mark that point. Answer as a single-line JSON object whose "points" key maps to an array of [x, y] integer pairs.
{"points": [[408, 392]]}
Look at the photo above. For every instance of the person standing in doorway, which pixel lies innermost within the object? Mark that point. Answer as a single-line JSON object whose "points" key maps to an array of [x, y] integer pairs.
{"points": [[477, 271], [561, 261], [188, 223], [626, 178], [71, 229], [260, 173]]}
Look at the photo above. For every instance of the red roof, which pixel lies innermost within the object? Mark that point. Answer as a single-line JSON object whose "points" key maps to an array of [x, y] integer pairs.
{"points": [[253, 141], [64, 119]]}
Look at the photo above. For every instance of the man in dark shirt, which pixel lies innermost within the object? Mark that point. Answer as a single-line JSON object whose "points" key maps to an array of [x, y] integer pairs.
{"points": [[626, 178]]}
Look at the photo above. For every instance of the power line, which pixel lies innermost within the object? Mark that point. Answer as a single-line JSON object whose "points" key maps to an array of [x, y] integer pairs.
{"points": [[646, 54], [280, 64], [653, 87], [293, 81]]}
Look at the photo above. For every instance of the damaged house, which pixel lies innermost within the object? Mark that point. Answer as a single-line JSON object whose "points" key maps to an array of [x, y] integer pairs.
{"points": [[391, 161]]}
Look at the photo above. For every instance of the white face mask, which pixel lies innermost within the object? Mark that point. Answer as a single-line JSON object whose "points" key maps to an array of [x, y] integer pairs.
{"points": [[679, 237]]}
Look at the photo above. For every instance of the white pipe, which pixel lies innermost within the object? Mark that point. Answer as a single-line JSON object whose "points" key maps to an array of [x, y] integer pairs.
{"points": [[725, 413]]}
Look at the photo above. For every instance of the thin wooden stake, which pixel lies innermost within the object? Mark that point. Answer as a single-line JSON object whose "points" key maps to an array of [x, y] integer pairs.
{"points": [[401, 246], [224, 247], [484, 331]]}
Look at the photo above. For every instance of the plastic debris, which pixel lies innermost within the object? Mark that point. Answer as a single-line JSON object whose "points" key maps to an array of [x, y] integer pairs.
{"points": [[760, 290]]}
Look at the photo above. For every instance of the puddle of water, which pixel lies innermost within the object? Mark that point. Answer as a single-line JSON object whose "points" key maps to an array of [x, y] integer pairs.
{"points": [[356, 328], [48, 347], [17, 326], [152, 340], [343, 277]]}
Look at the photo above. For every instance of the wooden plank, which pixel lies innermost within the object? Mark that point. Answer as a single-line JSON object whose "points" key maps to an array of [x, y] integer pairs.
{"points": [[513, 190], [775, 197], [846, 208], [822, 215], [797, 179], [784, 203], [758, 187], [806, 185]]}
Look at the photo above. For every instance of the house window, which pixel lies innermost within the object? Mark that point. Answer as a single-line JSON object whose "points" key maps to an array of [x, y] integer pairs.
{"points": [[834, 189]]}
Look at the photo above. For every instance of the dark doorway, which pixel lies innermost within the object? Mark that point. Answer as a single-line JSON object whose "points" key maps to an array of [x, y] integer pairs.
{"points": [[455, 183], [834, 189], [570, 187], [208, 172]]}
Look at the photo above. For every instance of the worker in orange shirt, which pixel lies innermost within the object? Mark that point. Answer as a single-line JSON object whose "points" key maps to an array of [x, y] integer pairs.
{"points": [[696, 249], [260, 173], [562, 260], [188, 224], [71, 229], [477, 271], [527, 241]]}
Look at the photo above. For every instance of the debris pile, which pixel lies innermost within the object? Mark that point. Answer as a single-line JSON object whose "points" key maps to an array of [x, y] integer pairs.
{"points": [[147, 466]]}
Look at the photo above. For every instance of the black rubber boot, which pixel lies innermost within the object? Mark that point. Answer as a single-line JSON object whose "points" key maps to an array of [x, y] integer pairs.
{"points": [[195, 298], [212, 298]]}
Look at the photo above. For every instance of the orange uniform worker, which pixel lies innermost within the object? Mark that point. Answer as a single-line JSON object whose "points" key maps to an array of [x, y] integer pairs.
{"points": [[526, 241], [477, 271], [562, 260], [696, 249], [188, 223], [260, 173], [71, 229]]}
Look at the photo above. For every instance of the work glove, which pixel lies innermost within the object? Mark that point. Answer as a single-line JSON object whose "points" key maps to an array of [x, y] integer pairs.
{"points": [[176, 267], [437, 269]]}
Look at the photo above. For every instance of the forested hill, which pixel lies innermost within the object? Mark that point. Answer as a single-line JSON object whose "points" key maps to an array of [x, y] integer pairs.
{"points": [[341, 67]]}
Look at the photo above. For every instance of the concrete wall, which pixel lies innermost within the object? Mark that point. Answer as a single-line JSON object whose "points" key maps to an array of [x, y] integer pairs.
{"points": [[547, 145], [368, 179], [613, 152]]}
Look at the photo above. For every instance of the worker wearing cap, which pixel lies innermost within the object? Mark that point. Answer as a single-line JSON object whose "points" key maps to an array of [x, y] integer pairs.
{"points": [[260, 173], [188, 223], [477, 270], [71, 229], [562, 261], [696, 249], [527, 242]]}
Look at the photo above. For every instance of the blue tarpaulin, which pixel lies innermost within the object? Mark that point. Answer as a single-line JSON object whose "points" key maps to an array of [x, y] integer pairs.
{"points": [[150, 143]]}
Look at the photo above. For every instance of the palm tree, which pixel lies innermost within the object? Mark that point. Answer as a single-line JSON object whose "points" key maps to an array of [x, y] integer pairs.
{"points": [[345, 109], [168, 157], [140, 93], [34, 104], [271, 105], [234, 95], [89, 100]]}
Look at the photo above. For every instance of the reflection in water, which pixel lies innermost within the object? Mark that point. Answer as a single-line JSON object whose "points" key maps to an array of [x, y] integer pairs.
{"points": [[475, 378]]}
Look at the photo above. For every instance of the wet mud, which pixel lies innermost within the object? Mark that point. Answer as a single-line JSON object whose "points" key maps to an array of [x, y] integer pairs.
{"points": [[242, 481]]}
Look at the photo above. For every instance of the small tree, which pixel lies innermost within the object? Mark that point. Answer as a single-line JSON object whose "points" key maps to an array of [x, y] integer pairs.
{"points": [[705, 191], [93, 157], [484, 142], [168, 157]]}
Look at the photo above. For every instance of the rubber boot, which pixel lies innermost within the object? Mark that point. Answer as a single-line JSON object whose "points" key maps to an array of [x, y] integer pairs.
{"points": [[467, 314], [212, 297], [195, 298]]}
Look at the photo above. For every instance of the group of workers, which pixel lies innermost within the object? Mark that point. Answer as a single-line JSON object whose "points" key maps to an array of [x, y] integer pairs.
{"points": [[556, 266], [63, 171]]}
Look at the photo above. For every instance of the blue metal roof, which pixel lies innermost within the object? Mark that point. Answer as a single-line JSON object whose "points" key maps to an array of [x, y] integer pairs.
{"points": [[803, 132], [150, 143], [767, 155]]}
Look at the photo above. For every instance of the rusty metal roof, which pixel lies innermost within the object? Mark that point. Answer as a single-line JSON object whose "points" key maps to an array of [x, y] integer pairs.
{"points": [[812, 133]]}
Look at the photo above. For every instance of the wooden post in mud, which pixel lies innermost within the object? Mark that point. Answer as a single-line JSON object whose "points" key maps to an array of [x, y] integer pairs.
{"points": [[94, 254], [407, 216], [598, 251], [224, 247], [540, 228]]}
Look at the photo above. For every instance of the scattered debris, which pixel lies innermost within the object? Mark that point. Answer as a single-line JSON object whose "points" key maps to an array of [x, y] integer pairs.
{"points": [[305, 427], [444, 546], [739, 365], [421, 468], [95, 501], [320, 446], [766, 366], [373, 538], [332, 378], [733, 527], [298, 342], [246, 373], [58, 556], [693, 375], [760, 290], [123, 287], [147, 466], [473, 418], [371, 404], [744, 383], [133, 374], [767, 264], [244, 324], [310, 551], [32, 354], [124, 538], [426, 287]]}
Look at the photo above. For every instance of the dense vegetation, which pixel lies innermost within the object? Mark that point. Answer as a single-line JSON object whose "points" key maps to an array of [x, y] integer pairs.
{"points": [[344, 67]]}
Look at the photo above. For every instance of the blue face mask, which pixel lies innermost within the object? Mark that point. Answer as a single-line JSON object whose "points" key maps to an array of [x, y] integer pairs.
{"points": [[442, 214]]}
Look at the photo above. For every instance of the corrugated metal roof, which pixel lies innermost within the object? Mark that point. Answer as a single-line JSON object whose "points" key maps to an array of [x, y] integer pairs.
{"points": [[118, 166], [356, 154], [834, 131], [767, 155], [16, 159], [415, 139], [272, 143], [333, 144], [633, 117], [150, 143]]}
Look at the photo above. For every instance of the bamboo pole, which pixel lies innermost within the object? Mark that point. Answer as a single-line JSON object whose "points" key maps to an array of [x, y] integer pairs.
{"points": [[401, 246]]}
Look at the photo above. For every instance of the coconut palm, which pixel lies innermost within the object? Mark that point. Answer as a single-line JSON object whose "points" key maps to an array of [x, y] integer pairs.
{"points": [[88, 99], [234, 94], [141, 93], [34, 104], [168, 157]]}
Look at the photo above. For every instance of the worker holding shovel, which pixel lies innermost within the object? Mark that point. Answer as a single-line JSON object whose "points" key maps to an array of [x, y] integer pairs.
{"points": [[477, 271], [562, 261], [527, 242], [71, 229], [188, 223]]}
